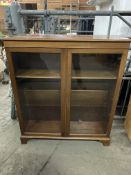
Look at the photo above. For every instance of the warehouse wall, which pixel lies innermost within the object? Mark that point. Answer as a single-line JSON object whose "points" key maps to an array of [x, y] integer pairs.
{"points": [[60, 4], [118, 27]]}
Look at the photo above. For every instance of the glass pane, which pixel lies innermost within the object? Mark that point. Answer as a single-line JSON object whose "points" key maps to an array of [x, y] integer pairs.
{"points": [[38, 82], [93, 82], [104, 66], [37, 65]]}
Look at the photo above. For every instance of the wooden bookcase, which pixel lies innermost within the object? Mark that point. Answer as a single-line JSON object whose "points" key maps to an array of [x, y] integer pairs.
{"points": [[66, 87]]}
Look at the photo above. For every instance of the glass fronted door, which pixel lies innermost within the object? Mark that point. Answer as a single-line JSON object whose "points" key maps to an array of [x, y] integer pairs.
{"points": [[93, 81], [85, 108], [38, 78]]}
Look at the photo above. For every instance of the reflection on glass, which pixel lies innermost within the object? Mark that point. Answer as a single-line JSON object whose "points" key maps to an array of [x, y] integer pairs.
{"points": [[93, 82], [37, 65], [38, 81], [95, 66]]}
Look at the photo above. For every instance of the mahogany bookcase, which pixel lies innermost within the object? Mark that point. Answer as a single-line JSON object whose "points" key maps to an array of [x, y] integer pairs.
{"points": [[66, 87]]}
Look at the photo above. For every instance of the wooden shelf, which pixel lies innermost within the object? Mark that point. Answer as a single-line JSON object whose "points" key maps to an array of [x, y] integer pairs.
{"points": [[89, 98], [76, 127], [80, 98], [42, 97], [37, 73], [41, 126], [94, 75], [89, 113], [87, 127]]}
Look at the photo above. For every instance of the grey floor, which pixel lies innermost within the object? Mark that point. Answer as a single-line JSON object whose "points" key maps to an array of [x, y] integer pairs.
{"points": [[54, 157]]}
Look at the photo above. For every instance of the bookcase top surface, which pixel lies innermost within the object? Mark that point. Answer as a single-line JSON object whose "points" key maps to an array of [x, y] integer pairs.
{"points": [[52, 37]]}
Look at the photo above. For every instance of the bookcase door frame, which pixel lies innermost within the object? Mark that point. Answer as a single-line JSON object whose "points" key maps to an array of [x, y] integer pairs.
{"points": [[115, 96], [63, 58], [66, 73]]}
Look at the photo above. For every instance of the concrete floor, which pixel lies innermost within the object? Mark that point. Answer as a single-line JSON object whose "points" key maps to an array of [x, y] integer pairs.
{"points": [[54, 157]]}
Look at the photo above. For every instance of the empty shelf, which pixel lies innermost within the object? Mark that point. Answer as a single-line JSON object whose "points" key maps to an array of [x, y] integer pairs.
{"points": [[94, 75], [87, 127], [41, 126], [36, 73]]}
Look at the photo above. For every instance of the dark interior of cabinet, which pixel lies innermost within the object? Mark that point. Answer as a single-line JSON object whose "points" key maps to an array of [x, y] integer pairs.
{"points": [[37, 65], [38, 78], [40, 103], [103, 66], [90, 105], [93, 82], [39, 86]]}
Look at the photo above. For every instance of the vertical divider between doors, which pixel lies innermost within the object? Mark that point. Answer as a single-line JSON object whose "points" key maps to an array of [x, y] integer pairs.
{"points": [[65, 91], [68, 90]]}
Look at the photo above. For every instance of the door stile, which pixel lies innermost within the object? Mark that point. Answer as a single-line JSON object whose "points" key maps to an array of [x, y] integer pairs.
{"points": [[117, 90], [64, 55], [68, 90]]}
